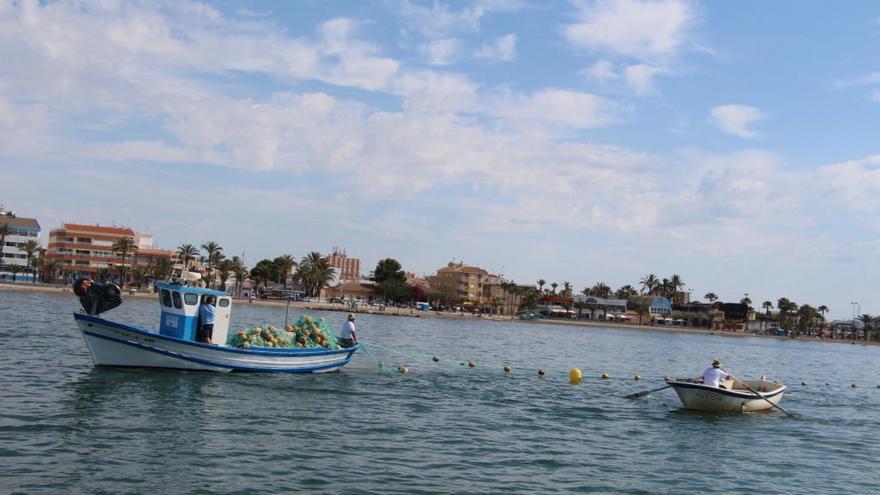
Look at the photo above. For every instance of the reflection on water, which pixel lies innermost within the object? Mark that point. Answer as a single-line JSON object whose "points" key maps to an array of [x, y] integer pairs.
{"points": [[69, 427]]}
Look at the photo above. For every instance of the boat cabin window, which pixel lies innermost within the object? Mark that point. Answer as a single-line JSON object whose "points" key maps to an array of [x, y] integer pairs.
{"points": [[191, 299], [166, 298], [177, 302], [223, 303]]}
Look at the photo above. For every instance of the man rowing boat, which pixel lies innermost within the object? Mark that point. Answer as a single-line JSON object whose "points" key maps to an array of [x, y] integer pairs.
{"points": [[714, 375]]}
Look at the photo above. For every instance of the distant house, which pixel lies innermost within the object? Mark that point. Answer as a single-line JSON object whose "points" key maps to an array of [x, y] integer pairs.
{"points": [[655, 306], [462, 282], [597, 308]]}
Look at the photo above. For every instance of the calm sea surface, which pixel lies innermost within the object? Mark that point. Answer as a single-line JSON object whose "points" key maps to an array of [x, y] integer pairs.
{"points": [[66, 427]]}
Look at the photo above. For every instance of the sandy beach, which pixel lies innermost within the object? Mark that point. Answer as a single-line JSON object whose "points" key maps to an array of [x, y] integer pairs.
{"points": [[412, 313]]}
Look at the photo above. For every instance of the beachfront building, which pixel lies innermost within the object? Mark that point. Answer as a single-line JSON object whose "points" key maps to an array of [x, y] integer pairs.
{"points": [[347, 268], [15, 232], [597, 308], [551, 306], [493, 292], [148, 255], [86, 250], [655, 308], [461, 282]]}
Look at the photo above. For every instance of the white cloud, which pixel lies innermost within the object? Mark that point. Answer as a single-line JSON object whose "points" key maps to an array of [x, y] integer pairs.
{"points": [[577, 110], [736, 119], [503, 48], [440, 51], [640, 77], [440, 19], [647, 30], [602, 71]]}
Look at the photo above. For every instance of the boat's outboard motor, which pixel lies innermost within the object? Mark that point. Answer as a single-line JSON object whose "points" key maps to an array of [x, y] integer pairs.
{"points": [[97, 298]]}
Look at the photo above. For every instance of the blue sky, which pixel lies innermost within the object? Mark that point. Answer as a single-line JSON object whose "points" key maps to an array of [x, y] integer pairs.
{"points": [[732, 143]]}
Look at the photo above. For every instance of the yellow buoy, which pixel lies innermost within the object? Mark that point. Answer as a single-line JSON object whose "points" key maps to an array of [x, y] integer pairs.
{"points": [[507, 369], [472, 364], [637, 377], [604, 376], [403, 369], [575, 376]]}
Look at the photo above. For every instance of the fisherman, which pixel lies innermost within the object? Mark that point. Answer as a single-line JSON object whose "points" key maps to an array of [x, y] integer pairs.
{"points": [[714, 375], [207, 311], [349, 334]]}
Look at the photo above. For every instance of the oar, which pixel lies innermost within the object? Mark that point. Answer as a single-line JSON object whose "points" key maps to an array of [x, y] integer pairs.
{"points": [[759, 394], [644, 393]]}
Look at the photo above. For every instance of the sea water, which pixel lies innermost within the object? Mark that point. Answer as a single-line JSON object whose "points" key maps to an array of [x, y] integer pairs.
{"points": [[67, 427]]}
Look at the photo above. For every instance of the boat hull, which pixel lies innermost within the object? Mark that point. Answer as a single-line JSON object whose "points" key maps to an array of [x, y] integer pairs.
{"points": [[701, 397], [115, 344]]}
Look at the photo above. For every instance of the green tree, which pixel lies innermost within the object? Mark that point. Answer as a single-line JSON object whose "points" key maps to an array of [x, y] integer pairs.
{"points": [[566, 289], [30, 248], [676, 286], [554, 285], [285, 264], [213, 256], [240, 271], [711, 297], [187, 253], [390, 280], [264, 272], [767, 305], [626, 292], [541, 283], [224, 271], [123, 247], [161, 269], [866, 320], [14, 269], [649, 283], [314, 273]]}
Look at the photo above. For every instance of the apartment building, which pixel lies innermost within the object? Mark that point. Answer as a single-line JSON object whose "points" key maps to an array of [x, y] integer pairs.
{"points": [[85, 250], [18, 231], [347, 268], [461, 282]]}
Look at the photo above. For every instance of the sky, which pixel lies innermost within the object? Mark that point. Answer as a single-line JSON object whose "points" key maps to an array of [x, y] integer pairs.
{"points": [[732, 143]]}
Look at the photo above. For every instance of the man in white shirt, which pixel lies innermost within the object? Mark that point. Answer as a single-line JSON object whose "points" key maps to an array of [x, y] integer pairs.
{"points": [[715, 375], [349, 334]]}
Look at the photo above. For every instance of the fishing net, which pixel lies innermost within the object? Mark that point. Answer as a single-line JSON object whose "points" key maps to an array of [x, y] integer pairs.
{"points": [[303, 334]]}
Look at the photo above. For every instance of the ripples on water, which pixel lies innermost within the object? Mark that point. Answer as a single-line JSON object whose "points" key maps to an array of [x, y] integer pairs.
{"points": [[66, 427]]}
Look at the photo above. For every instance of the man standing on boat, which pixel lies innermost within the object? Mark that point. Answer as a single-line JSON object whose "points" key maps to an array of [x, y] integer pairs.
{"points": [[206, 315], [349, 334], [715, 375]]}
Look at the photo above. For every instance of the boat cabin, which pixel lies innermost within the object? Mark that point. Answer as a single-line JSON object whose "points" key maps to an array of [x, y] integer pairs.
{"points": [[180, 311]]}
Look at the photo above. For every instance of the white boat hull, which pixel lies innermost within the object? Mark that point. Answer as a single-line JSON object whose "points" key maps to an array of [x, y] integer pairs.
{"points": [[116, 344], [707, 398]]}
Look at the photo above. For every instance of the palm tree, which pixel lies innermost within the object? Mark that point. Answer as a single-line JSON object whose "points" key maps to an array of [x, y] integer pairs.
{"points": [[14, 269], [822, 309], [676, 285], [48, 269], [213, 252], [314, 272], [626, 292], [541, 283], [554, 285], [187, 252], [866, 320], [601, 289], [240, 271], [711, 297], [566, 289], [162, 268], [767, 305], [285, 264], [122, 247], [30, 247], [649, 282]]}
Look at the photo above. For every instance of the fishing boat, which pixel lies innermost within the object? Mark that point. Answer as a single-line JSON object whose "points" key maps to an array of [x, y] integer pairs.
{"points": [[735, 398], [174, 344]]}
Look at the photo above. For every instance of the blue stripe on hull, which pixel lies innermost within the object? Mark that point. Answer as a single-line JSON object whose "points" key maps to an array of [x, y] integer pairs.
{"points": [[217, 364], [723, 391], [264, 350]]}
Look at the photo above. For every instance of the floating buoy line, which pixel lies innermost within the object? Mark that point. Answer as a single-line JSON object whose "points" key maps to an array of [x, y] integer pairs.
{"points": [[575, 375]]}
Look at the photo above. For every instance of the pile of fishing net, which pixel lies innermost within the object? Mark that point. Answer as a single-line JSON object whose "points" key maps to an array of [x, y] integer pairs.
{"points": [[304, 333]]}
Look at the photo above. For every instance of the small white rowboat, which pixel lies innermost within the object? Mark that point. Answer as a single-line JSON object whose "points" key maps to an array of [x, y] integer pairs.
{"points": [[736, 398]]}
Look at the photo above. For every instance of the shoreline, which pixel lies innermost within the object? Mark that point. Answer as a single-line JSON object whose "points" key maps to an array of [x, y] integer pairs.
{"points": [[412, 313]]}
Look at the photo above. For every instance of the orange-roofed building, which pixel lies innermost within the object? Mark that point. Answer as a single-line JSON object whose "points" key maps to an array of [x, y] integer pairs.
{"points": [[461, 282]]}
